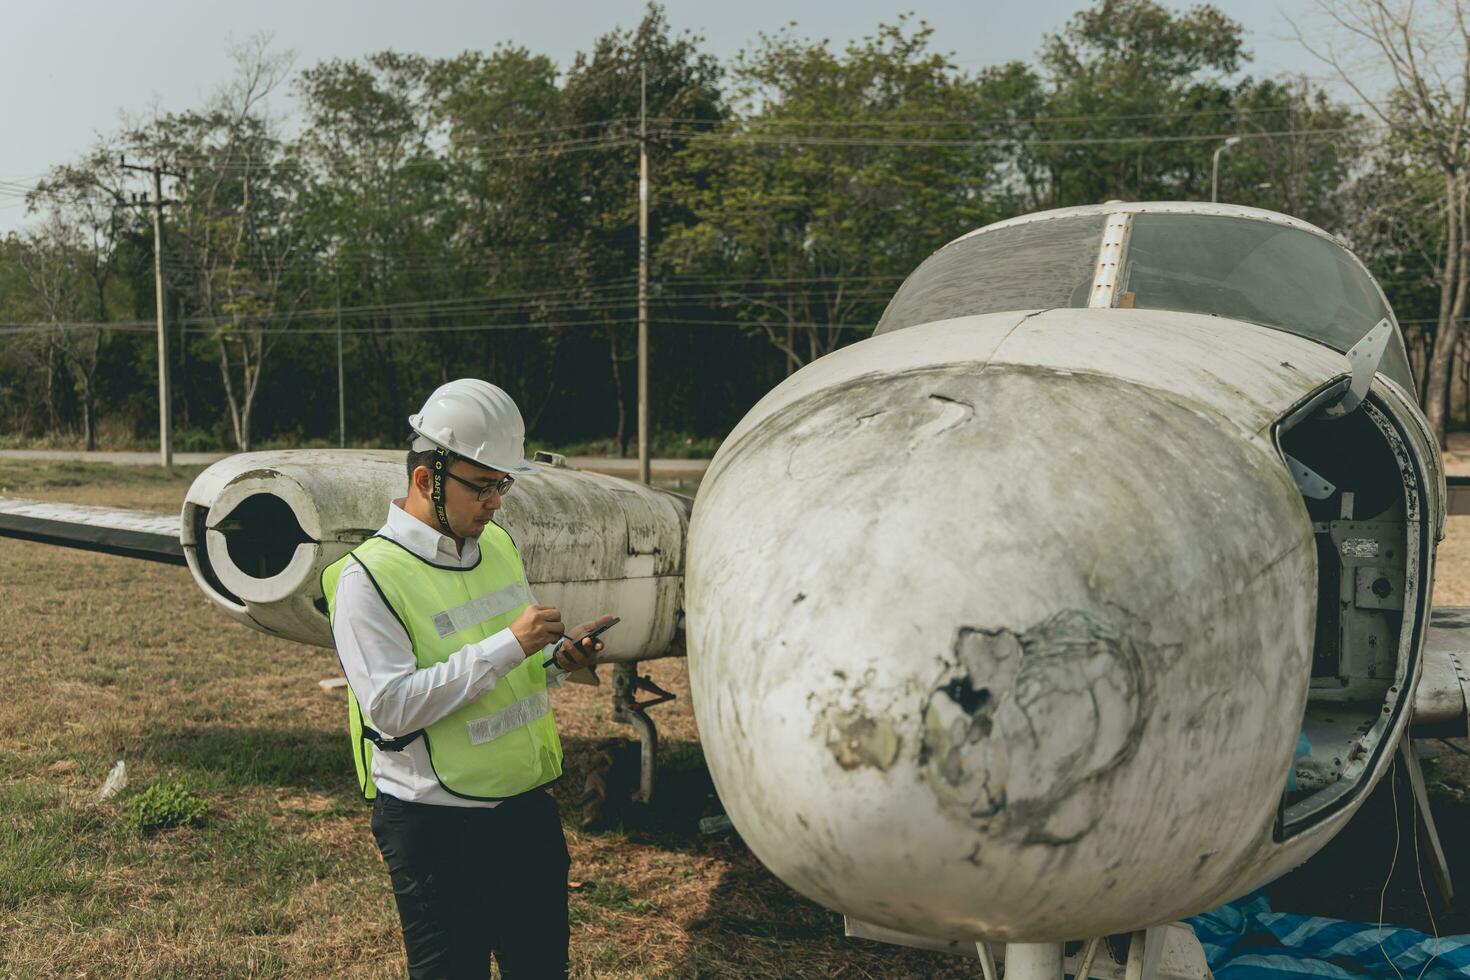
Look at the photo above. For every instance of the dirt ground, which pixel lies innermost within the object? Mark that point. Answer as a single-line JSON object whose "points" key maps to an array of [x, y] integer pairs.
{"points": [[111, 658]]}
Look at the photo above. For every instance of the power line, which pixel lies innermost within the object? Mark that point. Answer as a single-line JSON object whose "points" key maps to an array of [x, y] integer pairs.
{"points": [[124, 327], [436, 162], [435, 258], [12, 329], [777, 140], [143, 326], [516, 134], [1005, 120], [566, 143], [453, 308], [588, 144]]}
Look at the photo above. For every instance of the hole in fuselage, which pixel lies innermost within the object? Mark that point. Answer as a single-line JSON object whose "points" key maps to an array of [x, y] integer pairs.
{"points": [[970, 698], [1362, 538], [197, 516], [261, 535]]}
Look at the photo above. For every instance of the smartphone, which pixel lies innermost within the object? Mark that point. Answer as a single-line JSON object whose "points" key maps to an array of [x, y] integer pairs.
{"points": [[590, 636]]}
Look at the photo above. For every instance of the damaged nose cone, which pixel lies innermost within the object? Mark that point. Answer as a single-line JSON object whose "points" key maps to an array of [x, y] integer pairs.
{"points": [[974, 644]]}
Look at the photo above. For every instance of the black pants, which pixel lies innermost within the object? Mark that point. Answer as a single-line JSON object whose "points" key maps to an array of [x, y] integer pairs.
{"points": [[472, 880]]}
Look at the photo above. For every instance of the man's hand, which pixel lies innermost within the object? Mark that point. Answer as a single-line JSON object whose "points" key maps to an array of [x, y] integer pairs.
{"points": [[573, 654], [537, 626]]}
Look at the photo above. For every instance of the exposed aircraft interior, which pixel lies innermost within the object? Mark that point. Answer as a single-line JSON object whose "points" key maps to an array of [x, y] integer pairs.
{"points": [[1367, 576]]}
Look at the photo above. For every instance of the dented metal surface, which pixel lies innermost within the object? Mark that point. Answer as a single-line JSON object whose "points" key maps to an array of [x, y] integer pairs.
{"points": [[259, 528], [1071, 696], [1080, 575]]}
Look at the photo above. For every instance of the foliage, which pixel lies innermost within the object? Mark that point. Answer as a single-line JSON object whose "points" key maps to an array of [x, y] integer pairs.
{"points": [[1424, 52], [804, 203], [478, 215], [166, 803]]}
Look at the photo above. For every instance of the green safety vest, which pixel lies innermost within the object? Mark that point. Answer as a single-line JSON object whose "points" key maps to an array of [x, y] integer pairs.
{"points": [[504, 742]]}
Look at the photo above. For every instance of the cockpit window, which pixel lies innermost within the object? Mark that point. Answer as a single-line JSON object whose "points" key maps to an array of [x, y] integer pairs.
{"points": [[1256, 271], [1039, 265]]}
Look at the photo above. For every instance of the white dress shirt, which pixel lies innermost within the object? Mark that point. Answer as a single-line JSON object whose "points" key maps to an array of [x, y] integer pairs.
{"points": [[397, 697]]}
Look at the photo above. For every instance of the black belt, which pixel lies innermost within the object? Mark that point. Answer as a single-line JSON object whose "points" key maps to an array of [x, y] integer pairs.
{"points": [[390, 744]]}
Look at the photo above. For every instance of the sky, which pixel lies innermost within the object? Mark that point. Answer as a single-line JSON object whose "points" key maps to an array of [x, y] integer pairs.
{"points": [[71, 69]]}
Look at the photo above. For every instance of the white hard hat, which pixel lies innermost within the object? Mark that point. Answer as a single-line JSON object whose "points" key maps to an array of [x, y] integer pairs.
{"points": [[476, 420]]}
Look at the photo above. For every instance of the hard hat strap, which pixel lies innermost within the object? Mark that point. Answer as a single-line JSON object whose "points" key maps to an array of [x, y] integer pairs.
{"points": [[441, 466]]}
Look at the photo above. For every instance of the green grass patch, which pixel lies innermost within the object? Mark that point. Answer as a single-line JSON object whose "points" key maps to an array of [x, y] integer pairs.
{"points": [[223, 757], [19, 475], [43, 845], [167, 803]]}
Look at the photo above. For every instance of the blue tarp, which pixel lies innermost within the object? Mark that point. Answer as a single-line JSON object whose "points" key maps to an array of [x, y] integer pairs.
{"points": [[1245, 940]]}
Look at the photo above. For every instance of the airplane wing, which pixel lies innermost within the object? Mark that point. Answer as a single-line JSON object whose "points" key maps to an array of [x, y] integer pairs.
{"points": [[1457, 494], [1442, 699], [130, 533]]}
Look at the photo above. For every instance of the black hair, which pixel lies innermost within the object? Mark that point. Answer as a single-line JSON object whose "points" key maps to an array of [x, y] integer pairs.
{"points": [[425, 457], [417, 458]]}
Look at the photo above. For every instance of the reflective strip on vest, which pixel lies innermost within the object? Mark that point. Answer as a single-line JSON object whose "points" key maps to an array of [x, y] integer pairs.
{"points": [[507, 720], [502, 743], [470, 614]]}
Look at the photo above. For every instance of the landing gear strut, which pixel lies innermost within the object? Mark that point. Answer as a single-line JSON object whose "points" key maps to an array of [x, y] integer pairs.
{"points": [[602, 798], [630, 711]]}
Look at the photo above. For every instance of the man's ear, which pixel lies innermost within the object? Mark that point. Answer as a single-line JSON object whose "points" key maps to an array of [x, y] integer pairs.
{"points": [[423, 481]]}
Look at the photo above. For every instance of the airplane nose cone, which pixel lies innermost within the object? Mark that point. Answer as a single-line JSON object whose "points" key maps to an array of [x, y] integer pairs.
{"points": [[1000, 650]]}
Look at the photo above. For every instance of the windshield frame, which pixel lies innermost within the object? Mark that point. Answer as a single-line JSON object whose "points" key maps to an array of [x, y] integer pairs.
{"points": [[1113, 257], [1106, 299]]}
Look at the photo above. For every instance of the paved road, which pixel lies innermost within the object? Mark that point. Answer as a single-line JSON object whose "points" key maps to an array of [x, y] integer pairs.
{"points": [[662, 468]]}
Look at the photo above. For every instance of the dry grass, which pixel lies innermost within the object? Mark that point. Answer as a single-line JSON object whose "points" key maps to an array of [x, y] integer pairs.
{"points": [[109, 658]]}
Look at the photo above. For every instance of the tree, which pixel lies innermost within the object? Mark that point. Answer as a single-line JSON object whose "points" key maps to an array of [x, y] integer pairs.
{"points": [[55, 261], [1307, 167], [1134, 68], [1425, 54], [589, 200], [78, 242], [840, 173], [50, 259], [479, 214], [502, 113], [234, 239]]}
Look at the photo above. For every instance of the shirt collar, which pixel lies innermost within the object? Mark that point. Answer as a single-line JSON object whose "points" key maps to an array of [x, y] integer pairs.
{"points": [[427, 542]]}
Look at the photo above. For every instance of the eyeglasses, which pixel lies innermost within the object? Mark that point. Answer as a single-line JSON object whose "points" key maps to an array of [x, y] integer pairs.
{"points": [[501, 486]]}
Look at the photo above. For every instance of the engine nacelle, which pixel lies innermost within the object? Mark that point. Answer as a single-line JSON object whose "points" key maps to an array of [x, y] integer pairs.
{"points": [[259, 528]]}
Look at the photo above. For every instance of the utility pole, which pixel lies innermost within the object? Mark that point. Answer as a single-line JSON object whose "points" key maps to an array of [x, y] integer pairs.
{"points": [[341, 396], [644, 466], [165, 417]]}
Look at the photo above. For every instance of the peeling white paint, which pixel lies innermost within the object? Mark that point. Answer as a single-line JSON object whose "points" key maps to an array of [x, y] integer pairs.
{"points": [[590, 543], [1083, 606]]}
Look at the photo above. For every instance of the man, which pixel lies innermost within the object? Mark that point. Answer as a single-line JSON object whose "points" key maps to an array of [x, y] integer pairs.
{"points": [[444, 649]]}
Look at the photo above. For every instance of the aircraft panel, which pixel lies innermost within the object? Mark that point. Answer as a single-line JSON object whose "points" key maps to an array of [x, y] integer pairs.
{"points": [[131, 533]]}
